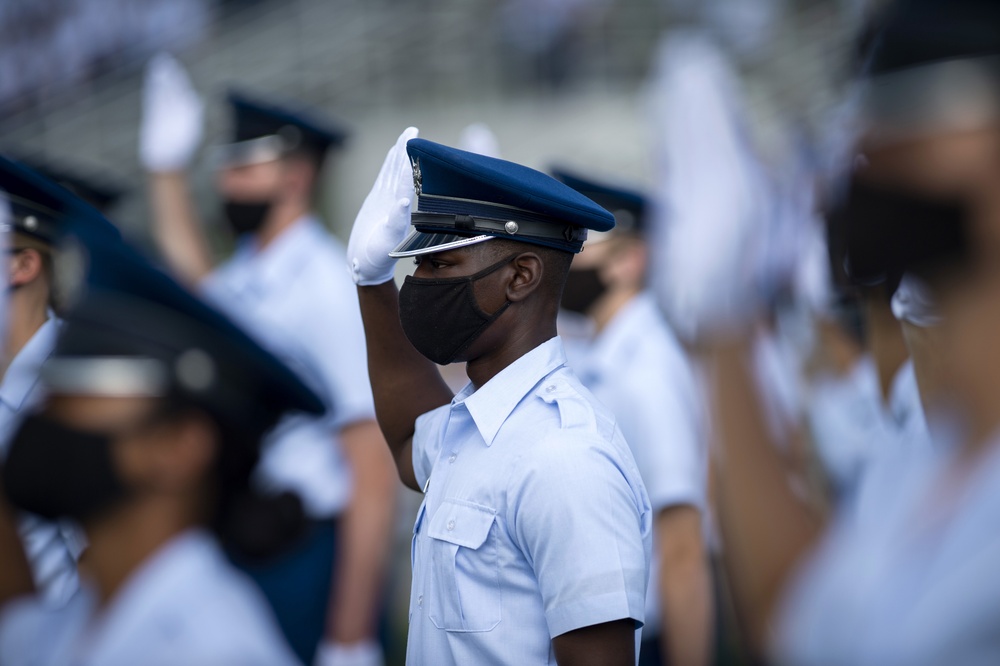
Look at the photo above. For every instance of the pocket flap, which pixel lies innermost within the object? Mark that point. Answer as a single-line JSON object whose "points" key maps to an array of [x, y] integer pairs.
{"points": [[465, 524]]}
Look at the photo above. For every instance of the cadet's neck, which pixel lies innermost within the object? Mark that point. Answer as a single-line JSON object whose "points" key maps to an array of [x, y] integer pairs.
{"points": [[119, 543], [515, 345], [283, 214], [885, 342]]}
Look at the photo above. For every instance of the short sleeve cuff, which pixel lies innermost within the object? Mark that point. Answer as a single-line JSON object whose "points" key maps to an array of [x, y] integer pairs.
{"points": [[594, 610]]}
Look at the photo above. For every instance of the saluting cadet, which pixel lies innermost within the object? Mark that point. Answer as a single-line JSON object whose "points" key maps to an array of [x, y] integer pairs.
{"points": [[637, 368], [156, 406], [38, 208], [286, 284], [532, 544]]}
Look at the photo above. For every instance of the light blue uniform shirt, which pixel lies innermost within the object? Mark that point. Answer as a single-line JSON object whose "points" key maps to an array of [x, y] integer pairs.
{"points": [[637, 368], [185, 604], [297, 299], [917, 584], [534, 522], [52, 548]]}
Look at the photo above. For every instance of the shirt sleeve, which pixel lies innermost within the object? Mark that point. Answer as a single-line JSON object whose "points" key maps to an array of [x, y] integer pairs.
{"points": [[661, 418], [584, 528]]}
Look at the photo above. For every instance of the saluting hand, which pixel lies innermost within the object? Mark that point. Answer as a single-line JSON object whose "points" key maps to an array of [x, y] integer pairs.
{"points": [[384, 217], [172, 117]]}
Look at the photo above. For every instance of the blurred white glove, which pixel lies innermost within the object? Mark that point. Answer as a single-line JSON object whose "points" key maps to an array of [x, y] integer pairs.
{"points": [[367, 653], [479, 138], [713, 197], [172, 116], [384, 218]]}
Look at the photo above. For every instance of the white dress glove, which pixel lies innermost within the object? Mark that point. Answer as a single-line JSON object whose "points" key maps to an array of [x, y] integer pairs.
{"points": [[172, 117], [713, 201], [384, 218], [367, 653]]}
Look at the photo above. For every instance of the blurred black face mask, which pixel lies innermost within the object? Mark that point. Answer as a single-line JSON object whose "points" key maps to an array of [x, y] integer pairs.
{"points": [[246, 218], [441, 317], [583, 287], [881, 233], [56, 471]]}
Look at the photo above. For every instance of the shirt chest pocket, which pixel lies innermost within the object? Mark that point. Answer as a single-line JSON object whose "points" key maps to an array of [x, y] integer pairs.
{"points": [[465, 565]]}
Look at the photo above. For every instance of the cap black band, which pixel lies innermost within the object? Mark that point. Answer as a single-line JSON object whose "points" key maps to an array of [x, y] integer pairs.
{"points": [[513, 229]]}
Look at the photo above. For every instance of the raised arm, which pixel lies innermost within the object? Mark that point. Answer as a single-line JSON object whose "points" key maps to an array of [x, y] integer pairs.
{"points": [[766, 529], [170, 134], [404, 383]]}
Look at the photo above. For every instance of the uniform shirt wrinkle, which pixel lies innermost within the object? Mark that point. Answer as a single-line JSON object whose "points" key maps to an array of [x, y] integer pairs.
{"points": [[295, 298], [185, 604], [535, 521]]}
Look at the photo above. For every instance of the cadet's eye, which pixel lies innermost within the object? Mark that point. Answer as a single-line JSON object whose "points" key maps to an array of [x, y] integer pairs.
{"points": [[437, 264]]}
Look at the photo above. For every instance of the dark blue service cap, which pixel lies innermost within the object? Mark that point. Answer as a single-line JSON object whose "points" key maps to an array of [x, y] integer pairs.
{"points": [[910, 33], [40, 208], [99, 191], [627, 205], [263, 130], [132, 330], [933, 64], [465, 198]]}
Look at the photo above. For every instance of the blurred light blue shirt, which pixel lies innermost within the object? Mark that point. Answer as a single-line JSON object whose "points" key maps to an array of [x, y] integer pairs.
{"points": [[184, 604], [637, 368], [52, 547], [915, 584], [297, 299], [535, 521]]}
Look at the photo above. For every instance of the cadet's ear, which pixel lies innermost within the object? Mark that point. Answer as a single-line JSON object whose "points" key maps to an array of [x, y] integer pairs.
{"points": [[25, 266], [528, 271]]}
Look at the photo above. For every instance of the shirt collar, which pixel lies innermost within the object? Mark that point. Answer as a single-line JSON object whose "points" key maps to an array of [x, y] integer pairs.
{"points": [[283, 256], [493, 403], [22, 374]]}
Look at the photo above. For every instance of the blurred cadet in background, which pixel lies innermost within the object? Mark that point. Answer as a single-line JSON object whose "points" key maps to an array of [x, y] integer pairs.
{"points": [[155, 410], [532, 544], [38, 210], [916, 582], [286, 283], [637, 368], [858, 408]]}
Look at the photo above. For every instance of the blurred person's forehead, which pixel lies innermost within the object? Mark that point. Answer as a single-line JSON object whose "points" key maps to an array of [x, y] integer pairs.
{"points": [[98, 411]]}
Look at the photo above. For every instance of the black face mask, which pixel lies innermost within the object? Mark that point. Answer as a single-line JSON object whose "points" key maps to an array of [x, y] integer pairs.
{"points": [[441, 317], [246, 218], [583, 287], [57, 471]]}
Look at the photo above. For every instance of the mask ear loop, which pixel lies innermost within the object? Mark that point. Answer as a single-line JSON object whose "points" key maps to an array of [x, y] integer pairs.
{"points": [[483, 273], [471, 295]]}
